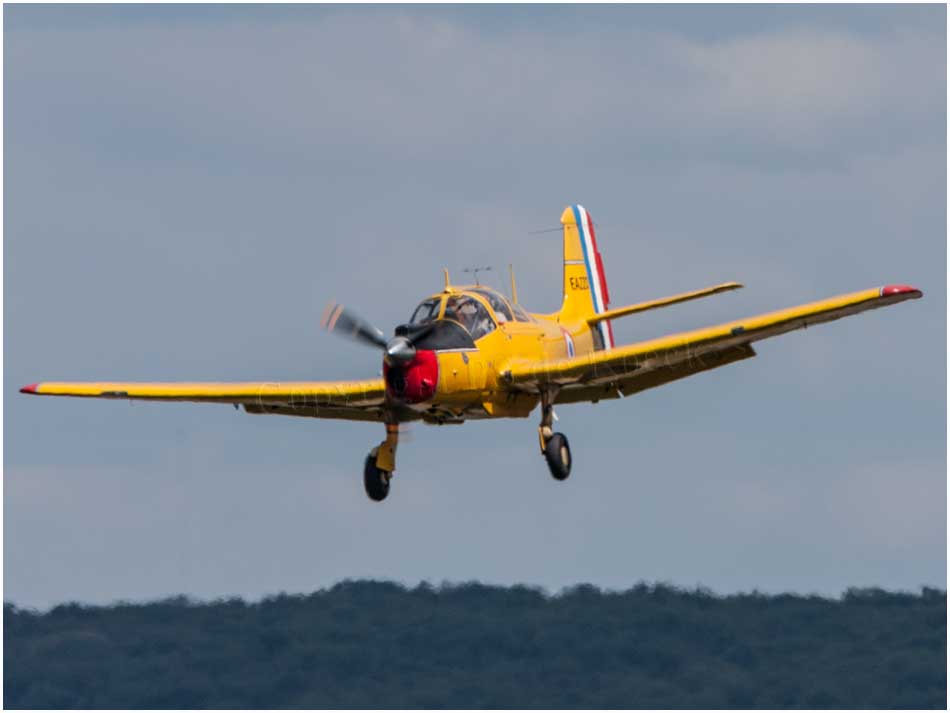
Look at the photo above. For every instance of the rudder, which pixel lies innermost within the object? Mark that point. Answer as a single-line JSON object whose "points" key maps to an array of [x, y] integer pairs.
{"points": [[585, 285]]}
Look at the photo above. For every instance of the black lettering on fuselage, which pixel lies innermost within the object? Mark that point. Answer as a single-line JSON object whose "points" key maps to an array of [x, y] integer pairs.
{"points": [[579, 283]]}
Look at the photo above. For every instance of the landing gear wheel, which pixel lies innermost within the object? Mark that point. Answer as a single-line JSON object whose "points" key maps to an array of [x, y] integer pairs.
{"points": [[375, 481], [557, 452]]}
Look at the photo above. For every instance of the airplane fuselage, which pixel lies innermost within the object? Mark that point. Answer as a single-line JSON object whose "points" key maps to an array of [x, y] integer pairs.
{"points": [[454, 381]]}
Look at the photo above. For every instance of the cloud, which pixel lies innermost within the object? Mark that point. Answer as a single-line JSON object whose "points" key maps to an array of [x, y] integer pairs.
{"points": [[317, 85], [805, 84]]}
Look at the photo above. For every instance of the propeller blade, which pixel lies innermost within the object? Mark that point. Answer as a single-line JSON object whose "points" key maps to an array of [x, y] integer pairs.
{"points": [[415, 332], [337, 318]]}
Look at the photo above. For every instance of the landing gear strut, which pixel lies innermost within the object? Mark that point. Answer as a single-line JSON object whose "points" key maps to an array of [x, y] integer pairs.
{"points": [[554, 446], [380, 464]]}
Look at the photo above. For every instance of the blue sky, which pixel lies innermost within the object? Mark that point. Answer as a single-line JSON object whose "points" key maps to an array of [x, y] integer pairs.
{"points": [[187, 186]]}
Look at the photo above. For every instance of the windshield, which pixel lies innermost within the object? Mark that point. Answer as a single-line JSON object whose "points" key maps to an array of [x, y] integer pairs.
{"points": [[426, 312], [470, 313]]}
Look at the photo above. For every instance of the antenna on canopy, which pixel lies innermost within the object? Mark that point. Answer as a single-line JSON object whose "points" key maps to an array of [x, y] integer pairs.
{"points": [[514, 289], [445, 271], [476, 270]]}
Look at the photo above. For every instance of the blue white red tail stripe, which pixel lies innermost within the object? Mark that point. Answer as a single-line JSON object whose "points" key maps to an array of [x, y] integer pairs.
{"points": [[595, 271]]}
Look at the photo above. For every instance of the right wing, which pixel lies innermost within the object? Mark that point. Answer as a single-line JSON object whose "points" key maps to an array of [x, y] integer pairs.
{"points": [[628, 369], [349, 400]]}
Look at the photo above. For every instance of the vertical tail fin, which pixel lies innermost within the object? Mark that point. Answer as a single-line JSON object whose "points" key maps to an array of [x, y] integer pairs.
{"points": [[585, 285]]}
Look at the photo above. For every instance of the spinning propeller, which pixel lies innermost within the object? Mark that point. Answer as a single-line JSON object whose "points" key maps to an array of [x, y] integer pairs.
{"points": [[398, 351]]}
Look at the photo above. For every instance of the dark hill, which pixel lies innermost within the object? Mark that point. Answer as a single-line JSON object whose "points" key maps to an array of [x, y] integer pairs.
{"points": [[379, 645]]}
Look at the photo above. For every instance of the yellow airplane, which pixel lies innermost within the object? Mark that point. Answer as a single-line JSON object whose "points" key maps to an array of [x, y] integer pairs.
{"points": [[468, 352]]}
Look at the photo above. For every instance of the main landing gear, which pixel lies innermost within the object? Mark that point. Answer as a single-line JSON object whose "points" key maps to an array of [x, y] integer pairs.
{"points": [[554, 446], [380, 464], [381, 461]]}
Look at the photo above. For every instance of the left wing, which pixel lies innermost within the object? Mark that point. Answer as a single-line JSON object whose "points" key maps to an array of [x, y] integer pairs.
{"points": [[634, 367], [350, 400]]}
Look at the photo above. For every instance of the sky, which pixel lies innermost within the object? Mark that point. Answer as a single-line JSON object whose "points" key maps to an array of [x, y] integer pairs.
{"points": [[187, 186]]}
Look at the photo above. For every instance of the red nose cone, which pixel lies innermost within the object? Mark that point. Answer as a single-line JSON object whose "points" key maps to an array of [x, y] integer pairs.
{"points": [[416, 381], [29, 389], [889, 290]]}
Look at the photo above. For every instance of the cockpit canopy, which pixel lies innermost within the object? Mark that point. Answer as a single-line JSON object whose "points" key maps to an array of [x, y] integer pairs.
{"points": [[478, 310], [504, 310]]}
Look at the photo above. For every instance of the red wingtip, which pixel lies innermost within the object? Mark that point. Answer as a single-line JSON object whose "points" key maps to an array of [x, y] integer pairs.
{"points": [[29, 389], [889, 290]]}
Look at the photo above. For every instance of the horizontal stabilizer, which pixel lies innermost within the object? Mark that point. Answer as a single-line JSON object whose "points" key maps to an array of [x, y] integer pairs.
{"points": [[663, 302]]}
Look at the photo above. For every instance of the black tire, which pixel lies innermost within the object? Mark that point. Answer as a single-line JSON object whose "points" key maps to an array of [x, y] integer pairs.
{"points": [[375, 481], [557, 452]]}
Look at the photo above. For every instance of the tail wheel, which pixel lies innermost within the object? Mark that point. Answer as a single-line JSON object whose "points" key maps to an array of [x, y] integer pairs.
{"points": [[375, 481], [557, 452]]}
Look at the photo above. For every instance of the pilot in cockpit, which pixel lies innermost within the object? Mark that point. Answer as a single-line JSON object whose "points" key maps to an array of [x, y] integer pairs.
{"points": [[462, 310], [468, 312]]}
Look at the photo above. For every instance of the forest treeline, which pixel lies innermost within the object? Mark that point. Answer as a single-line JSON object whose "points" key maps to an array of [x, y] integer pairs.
{"points": [[364, 644]]}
